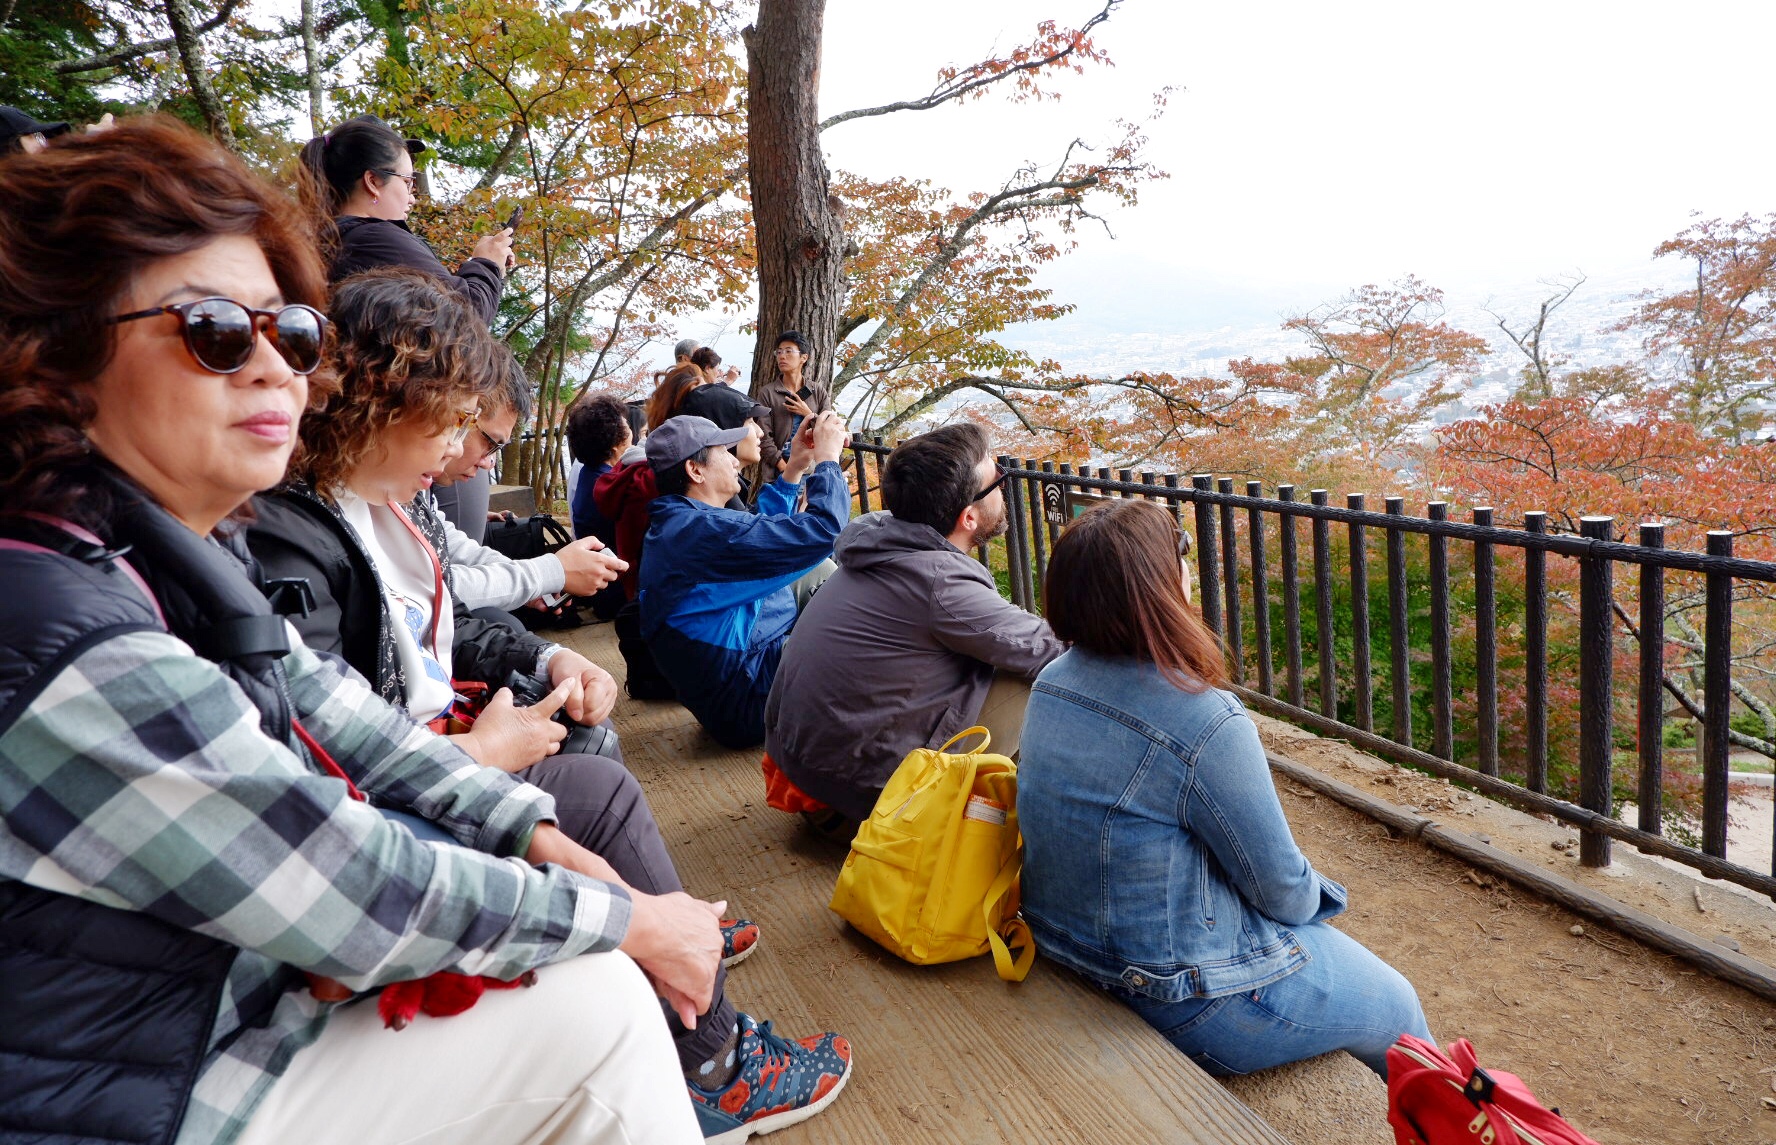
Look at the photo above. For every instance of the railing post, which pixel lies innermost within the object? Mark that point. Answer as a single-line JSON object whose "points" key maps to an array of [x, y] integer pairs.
{"points": [[1017, 552], [1535, 657], [863, 489], [1260, 588], [1032, 488], [1442, 687], [1717, 667], [1486, 649], [1235, 634], [1596, 681], [1399, 626], [1651, 722], [1359, 572], [1291, 596], [1208, 578], [1322, 547]]}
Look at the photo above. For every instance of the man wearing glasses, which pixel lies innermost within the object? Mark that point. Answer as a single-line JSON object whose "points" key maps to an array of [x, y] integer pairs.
{"points": [[484, 578], [910, 608]]}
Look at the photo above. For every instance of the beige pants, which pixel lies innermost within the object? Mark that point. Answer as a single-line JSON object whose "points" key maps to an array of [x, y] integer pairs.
{"points": [[1002, 713], [581, 1058]]}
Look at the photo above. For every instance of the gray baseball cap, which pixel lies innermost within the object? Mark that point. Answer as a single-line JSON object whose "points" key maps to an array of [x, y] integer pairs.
{"points": [[686, 436]]}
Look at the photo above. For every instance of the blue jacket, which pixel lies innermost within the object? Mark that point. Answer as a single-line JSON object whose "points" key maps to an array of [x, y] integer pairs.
{"points": [[716, 605], [1156, 855]]}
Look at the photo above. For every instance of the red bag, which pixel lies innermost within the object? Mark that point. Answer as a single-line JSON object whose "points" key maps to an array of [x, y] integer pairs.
{"points": [[1445, 1099]]}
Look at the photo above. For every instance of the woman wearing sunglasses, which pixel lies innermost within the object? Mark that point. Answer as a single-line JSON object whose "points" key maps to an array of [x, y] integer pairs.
{"points": [[358, 182], [1157, 860], [183, 831]]}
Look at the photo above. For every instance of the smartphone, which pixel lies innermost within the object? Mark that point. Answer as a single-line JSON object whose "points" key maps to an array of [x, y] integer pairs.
{"points": [[550, 600], [516, 218]]}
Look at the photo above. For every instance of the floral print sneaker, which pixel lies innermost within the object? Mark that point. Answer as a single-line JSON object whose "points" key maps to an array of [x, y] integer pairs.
{"points": [[739, 938], [780, 1082]]}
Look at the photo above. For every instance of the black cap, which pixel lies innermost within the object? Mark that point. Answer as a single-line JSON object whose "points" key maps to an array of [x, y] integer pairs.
{"points": [[414, 146], [14, 122]]}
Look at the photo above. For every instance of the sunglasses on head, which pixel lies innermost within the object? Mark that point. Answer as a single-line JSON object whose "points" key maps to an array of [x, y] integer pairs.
{"points": [[220, 333], [995, 483]]}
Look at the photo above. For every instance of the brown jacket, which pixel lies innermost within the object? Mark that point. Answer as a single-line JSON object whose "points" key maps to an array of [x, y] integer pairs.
{"points": [[780, 423]]}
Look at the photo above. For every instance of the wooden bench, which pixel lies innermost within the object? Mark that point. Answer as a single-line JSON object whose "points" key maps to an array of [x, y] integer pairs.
{"points": [[944, 1054]]}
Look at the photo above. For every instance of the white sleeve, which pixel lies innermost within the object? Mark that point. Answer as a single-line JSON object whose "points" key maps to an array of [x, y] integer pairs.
{"points": [[481, 577]]}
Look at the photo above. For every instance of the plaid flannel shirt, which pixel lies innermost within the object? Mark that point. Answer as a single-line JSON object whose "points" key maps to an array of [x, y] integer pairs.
{"points": [[168, 798]]}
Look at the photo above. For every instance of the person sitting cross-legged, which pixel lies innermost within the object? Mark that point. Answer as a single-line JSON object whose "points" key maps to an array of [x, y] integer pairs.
{"points": [[944, 650], [720, 589]]}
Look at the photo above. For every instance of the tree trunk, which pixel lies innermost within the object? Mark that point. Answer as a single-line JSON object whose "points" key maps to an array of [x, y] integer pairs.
{"points": [[798, 226], [191, 54], [311, 58]]}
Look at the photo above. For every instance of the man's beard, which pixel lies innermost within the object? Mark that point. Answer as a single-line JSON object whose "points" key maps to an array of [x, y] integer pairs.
{"points": [[985, 532]]}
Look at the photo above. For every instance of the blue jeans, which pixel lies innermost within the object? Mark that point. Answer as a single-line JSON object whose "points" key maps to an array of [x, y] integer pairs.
{"points": [[1346, 998]]}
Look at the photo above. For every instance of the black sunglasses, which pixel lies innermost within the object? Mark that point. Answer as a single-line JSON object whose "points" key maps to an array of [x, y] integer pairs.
{"points": [[220, 332], [995, 483]]}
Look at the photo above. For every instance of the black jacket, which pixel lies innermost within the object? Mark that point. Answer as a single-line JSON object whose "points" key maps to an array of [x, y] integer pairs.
{"points": [[106, 1014], [297, 535], [365, 244]]}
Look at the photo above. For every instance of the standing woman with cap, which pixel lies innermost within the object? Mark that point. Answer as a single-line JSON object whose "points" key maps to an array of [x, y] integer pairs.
{"points": [[359, 179]]}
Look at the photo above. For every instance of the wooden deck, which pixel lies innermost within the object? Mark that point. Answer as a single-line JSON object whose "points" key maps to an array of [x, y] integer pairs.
{"points": [[944, 1054]]}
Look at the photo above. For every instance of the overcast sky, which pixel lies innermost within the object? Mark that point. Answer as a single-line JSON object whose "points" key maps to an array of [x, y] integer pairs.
{"points": [[1315, 146]]}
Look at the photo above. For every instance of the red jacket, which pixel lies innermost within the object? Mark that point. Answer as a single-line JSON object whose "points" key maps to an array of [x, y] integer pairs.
{"points": [[626, 495]]}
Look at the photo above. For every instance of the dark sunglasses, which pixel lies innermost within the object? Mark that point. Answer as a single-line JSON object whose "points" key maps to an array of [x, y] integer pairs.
{"points": [[995, 483], [220, 332]]}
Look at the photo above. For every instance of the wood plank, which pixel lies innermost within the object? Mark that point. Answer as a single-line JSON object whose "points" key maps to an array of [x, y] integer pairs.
{"points": [[945, 1054]]}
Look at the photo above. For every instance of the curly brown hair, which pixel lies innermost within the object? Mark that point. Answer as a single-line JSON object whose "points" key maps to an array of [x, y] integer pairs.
{"points": [[78, 222], [405, 348]]}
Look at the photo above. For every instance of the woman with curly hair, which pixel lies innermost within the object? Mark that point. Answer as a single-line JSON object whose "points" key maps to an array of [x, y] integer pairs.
{"points": [[412, 366], [185, 841]]}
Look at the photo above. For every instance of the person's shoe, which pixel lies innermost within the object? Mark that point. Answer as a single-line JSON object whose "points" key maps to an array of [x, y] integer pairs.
{"points": [[739, 938], [780, 1082], [831, 826]]}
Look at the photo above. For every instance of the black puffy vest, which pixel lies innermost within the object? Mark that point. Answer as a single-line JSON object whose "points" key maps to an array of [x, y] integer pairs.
{"points": [[105, 1015]]}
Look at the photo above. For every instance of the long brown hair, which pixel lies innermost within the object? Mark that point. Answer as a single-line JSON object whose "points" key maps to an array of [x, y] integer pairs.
{"points": [[406, 348], [669, 395], [78, 223], [1114, 588]]}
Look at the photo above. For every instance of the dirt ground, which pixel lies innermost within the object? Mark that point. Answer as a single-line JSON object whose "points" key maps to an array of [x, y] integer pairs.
{"points": [[1632, 1045]]}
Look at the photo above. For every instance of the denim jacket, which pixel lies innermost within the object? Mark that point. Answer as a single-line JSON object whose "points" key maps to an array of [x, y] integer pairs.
{"points": [[1157, 859]]}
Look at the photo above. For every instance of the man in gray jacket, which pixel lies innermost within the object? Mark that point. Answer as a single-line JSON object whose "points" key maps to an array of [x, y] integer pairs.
{"points": [[909, 642]]}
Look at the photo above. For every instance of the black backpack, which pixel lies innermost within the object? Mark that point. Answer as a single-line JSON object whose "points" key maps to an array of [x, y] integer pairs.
{"points": [[645, 680], [522, 540], [532, 537]]}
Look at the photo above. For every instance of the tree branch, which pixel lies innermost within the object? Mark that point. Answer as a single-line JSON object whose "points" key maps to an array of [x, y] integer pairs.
{"points": [[975, 78], [124, 54], [191, 56]]}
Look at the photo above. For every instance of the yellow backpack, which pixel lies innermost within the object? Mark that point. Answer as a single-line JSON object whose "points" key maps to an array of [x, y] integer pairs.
{"points": [[932, 874]]}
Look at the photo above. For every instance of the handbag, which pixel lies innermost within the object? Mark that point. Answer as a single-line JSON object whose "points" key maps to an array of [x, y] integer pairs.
{"points": [[933, 872], [1442, 1099]]}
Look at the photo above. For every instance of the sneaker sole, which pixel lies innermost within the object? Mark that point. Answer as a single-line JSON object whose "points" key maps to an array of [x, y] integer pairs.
{"points": [[785, 1119], [736, 959]]}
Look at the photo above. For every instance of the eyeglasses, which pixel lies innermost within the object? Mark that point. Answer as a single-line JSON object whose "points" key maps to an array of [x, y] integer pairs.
{"points": [[220, 333], [461, 424], [995, 483], [411, 180], [1183, 543], [494, 444]]}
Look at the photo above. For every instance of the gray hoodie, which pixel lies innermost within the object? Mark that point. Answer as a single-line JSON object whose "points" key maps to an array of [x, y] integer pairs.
{"points": [[896, 651]]}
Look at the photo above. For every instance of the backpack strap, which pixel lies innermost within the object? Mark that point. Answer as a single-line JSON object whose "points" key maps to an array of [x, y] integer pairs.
{"points": [[1017, 931]]}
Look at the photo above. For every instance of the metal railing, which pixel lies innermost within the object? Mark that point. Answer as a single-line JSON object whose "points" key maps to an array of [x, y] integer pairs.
{"points": [[1233, 577]]}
